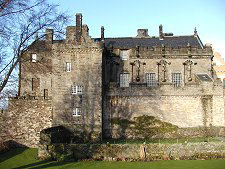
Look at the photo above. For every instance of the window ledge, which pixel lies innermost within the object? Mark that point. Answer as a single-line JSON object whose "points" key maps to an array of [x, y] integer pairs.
{"points": [[76, 115]]}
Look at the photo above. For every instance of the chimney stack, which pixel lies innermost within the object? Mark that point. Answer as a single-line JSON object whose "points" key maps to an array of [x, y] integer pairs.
{"points": [[102, 33], [78, 27], [70, 33], [160, 32], [85, 30], [142, 33], [49, 35]]}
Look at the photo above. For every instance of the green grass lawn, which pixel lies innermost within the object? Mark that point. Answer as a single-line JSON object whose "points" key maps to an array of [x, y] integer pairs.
{"points": [[21, 158]]}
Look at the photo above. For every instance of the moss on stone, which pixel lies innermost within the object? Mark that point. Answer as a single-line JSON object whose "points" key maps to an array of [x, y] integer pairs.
{"points": [[145, 126]]}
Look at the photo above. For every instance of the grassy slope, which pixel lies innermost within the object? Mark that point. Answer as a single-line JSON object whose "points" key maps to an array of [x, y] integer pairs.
{"points": [[25, 158]]}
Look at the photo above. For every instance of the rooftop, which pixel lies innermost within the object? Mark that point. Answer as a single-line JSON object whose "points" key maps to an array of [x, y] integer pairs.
{"points": [[172, 41]]}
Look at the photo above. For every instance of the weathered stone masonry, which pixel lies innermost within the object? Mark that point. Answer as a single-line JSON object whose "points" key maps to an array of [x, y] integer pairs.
{"points": [[65, 77], [137, 152], [25, 119], [82, 83], [198, 100]]}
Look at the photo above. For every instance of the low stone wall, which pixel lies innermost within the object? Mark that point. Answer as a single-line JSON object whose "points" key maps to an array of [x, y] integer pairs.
{"points": [[134, 152], [24, 120]]}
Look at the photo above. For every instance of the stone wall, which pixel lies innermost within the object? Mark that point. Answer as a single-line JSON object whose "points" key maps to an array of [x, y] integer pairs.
{"points": [[183, 111], [190, 106], [24, 120], [86, 71], [129, 152]]}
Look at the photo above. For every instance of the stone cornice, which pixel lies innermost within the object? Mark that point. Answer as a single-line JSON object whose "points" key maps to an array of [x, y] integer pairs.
{"points": [[174, 56]]}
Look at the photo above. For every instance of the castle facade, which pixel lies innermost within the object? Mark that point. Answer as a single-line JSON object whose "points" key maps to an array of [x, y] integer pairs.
{"points": [[82, 83]]}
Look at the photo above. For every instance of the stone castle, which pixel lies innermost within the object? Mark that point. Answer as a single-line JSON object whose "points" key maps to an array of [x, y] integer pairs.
{"points": [[82, 83]]}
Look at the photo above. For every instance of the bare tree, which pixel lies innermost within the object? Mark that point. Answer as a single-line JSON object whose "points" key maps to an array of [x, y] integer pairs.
{"points": [[20, 22]]}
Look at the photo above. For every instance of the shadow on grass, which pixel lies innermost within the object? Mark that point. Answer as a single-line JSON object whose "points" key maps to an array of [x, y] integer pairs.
{"points": [[45, 164], [33, 164], [11, 149]]}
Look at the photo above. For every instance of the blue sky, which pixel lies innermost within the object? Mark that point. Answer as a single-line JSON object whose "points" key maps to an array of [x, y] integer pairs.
{"points": [[122, 18]]}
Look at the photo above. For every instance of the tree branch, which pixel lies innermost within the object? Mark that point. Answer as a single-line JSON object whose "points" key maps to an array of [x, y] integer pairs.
{"points": [[4, 4], [20, 30], [22, 10]]}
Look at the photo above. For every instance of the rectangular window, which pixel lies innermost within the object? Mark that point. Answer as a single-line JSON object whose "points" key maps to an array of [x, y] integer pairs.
{"points": [[176, 79], [34, 57], [124, 80], [45, 93], [151, 79], [35, 85], [77, 111], [124, 54], [77, 89], [68, 66]]}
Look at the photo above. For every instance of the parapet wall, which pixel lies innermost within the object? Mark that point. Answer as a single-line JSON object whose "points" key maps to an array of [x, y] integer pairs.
{"points": [[24, 120]]}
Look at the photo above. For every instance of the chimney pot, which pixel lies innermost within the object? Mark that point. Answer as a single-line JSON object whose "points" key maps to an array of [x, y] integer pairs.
{"points": [[161, 32], [102, 33]]}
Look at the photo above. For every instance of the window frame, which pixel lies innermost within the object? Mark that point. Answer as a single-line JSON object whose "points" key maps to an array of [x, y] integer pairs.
{"points": [[124, 83], [33, 57], [151, 80], [175, 80], [77, 90], [35, 84], [77, 111], [68, 66]]}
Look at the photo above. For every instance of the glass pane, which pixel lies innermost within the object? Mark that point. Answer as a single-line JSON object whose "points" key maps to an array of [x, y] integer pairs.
{"points": [[34, 57], [124, 80], [151, 79], [176, 79], [68, 67]]}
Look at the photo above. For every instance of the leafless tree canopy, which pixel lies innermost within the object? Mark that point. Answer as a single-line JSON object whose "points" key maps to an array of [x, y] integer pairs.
{"points": [[20, 22]]}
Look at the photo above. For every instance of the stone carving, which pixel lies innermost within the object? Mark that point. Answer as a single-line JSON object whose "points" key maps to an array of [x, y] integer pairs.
{"points": [[188, 67], [162, 70], [137, 65]]}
